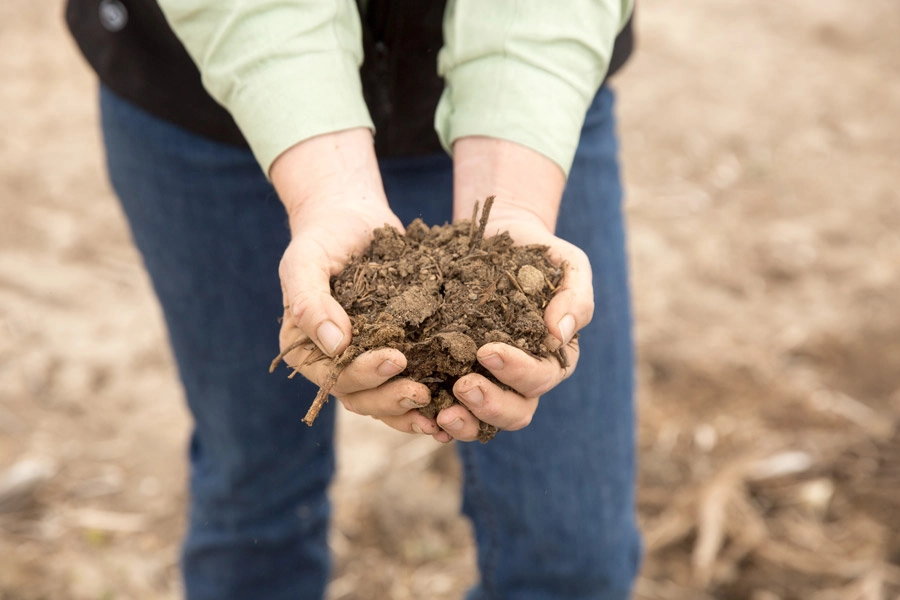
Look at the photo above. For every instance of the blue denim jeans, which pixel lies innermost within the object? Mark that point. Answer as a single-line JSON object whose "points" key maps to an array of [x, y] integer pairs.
{"points": [[552, 505]]}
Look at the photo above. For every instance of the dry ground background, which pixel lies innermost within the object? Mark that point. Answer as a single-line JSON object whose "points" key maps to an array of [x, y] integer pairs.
{"points": [[762, 155]]}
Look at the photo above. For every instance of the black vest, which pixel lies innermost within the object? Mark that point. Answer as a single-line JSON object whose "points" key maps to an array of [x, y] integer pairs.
{"points": [[136, 54]]}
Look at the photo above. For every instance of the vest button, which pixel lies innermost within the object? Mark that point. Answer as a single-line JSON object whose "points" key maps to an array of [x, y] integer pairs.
{"points": [[113, 15]]}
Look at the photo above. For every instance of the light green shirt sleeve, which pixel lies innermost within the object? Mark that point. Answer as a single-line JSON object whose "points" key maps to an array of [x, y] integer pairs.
{"points": [[525, 70], [521, 70], [286, 71]]}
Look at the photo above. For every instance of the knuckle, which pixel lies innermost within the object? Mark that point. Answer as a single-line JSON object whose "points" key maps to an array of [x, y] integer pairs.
{"points": [[287, 335], [349, 404], [300, 304], [521, 423], [490, 411], [586, 308], [305, 311], [580, 258], [541, 388], [396, 408], [286, 267], [417, 394], [469, 434]]}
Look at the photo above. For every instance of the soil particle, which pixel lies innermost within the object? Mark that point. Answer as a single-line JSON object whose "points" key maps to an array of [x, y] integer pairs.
{"points": [[530, 280]]}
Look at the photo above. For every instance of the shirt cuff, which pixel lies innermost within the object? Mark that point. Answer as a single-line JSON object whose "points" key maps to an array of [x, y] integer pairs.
{"points": [[513, 100], [276, 107]]}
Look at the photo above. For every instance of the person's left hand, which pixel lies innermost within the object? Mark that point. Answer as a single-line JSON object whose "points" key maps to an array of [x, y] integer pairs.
{"points": [[528, 188]]}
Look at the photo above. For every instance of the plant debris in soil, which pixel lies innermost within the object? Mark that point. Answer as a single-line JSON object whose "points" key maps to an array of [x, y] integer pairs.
{"points": [[437, 294]]}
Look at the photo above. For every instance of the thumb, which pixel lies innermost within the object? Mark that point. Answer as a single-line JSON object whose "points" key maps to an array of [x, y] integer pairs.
{"points": [[572, 307], [305, 282]]}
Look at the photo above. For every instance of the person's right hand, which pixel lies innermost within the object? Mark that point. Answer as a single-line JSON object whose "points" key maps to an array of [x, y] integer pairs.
{"points": [[332, 190]]}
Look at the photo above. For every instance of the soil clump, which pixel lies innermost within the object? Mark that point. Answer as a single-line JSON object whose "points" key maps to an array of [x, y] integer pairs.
{"points": [[438, 294]]}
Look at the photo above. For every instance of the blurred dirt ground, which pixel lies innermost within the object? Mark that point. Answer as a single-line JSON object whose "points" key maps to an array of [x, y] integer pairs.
{"points": [[762, 158]]}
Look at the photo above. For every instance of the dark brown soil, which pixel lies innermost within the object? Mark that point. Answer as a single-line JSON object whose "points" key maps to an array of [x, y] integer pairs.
{"points": [[439, 293]]}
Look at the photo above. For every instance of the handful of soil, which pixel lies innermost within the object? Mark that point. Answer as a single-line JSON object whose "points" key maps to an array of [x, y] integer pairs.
{"points": [[437, 294]]}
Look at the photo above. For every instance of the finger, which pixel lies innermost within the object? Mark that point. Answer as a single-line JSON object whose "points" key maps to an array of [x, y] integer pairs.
{"points": [[442, 436], [492, 404], [414, 422], [367, 371], [392, 399], [572, 307], [305, 276], [529, 376], [460, 424]]}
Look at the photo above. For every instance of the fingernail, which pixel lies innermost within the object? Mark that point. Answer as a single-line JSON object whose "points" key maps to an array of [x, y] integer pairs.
{"points": [[454, 425], [473, 398], [330, 337], [492, 362], [416, 429], [409, 404], [567, 328], [389, 368]]}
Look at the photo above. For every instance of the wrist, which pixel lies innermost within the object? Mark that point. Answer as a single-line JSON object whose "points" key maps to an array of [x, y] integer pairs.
{"points": [[326, 170], [526, 183]]}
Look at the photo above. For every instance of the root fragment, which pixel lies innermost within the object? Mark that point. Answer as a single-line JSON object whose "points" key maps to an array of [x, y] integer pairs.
{"points": [[473, 223], [330, 380], [475, 241], [286, 351], [324, 392], [514, 281]]}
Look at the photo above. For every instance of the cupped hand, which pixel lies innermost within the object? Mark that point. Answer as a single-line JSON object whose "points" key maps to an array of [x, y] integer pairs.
{"points": [[332, 190], [325, 233], [527, 188], [570, 309]]}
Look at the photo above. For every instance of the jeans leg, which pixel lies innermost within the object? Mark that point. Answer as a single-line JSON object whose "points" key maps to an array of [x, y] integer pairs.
{"points": [[553, 504], [211, 231]]}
